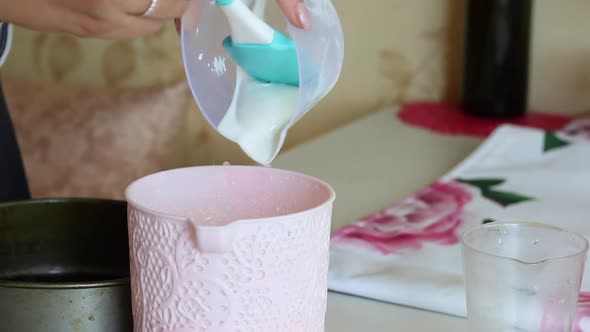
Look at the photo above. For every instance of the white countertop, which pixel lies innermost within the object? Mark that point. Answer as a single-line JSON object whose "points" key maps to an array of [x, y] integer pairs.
{"points": [[371, 163]]}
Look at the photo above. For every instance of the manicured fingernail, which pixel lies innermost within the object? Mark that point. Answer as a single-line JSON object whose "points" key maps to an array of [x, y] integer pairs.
{"points": [[303, 16]]}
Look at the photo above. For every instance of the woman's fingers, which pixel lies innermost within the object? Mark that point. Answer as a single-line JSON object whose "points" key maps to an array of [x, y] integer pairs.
{"points": [[169, 9], [130, 27], [160, 9], [296, 13]]}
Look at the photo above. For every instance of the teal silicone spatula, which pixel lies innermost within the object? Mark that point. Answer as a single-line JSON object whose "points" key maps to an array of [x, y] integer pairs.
{"points": [[262, 52]]}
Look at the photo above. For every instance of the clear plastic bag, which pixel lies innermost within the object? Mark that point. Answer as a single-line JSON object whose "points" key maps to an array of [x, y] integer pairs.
{"points": [[212, 74]]}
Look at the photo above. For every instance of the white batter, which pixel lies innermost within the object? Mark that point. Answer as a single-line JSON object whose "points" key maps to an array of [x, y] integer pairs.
{"points": [[257, 115]]}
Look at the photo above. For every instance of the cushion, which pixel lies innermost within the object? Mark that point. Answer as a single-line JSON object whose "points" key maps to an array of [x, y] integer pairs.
{"points": [[80, 141]]}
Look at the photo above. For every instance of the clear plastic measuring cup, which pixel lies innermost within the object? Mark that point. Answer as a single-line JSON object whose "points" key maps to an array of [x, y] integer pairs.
{"points": [[522, 277], [212, 74]]}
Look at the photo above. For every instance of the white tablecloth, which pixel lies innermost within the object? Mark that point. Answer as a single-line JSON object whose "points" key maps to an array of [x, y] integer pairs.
{"points": [[361, 161]]}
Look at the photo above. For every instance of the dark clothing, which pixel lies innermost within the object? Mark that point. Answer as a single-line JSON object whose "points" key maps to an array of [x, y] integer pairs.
{"points": [[13, 181]]}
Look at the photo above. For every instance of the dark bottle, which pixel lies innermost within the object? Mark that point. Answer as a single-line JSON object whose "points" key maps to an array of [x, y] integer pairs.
{"points": [[496, 57]]}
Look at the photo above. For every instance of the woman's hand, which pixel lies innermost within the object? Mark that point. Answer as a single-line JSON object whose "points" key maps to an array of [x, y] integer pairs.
{"points": [[294, 10], [108, 19], [113, 19]]}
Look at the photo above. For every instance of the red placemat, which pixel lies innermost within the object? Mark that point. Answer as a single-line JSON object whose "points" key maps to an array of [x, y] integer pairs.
{"points": [[450, 119]]}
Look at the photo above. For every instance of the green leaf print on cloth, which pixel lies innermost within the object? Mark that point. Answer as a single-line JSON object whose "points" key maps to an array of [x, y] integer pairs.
{"points": [[504, 198], [483, 183], [552, 141]]}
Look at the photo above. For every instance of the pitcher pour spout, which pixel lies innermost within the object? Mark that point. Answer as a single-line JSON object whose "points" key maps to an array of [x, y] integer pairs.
{"points": [[214, 239]]}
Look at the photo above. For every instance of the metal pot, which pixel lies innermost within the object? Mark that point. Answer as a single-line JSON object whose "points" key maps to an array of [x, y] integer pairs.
{"points": [[64, 266]]}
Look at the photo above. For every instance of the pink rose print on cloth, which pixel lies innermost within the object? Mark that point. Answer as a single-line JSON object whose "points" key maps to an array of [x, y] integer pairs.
{"points": [[577, 130], [582, 316], [432, 215]]}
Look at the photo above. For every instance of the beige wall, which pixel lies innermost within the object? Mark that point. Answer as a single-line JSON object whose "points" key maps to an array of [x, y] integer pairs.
{"points": [[396, 50]]}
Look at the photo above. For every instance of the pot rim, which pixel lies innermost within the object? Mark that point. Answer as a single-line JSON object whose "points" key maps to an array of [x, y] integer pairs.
{"points": [[63, 285], [61, 200]]}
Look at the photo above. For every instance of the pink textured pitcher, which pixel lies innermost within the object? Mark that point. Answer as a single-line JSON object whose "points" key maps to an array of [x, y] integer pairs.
{"points": [[229, 248]]}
